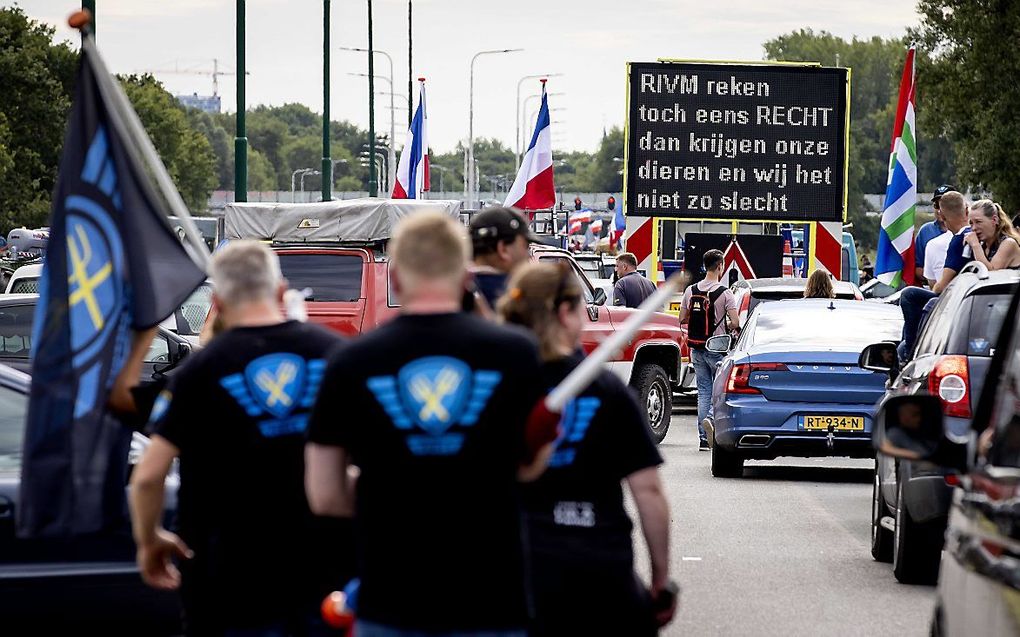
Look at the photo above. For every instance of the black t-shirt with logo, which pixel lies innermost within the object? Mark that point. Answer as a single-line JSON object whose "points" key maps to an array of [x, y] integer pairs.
{"points": [[238, 412], [432, 409], [579, 532]]}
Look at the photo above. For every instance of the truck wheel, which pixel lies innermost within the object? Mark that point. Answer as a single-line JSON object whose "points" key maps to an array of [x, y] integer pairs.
{"points": [[652, 386], [881, 537], [726, 464], [917, 547]]}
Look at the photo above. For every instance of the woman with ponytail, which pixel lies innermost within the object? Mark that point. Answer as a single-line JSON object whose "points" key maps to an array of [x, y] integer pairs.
{"points": [[992, 238], [579, 535]]}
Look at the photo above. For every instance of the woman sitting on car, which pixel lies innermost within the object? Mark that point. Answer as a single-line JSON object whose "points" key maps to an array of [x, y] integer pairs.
{"points": [[993, 239], [819, 286]]}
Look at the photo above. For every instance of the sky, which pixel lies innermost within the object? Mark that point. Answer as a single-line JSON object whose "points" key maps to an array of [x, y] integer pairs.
{"points": [[588, 41]]}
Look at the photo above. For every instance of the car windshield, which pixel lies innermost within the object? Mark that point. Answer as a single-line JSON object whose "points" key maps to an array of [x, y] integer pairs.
{"points": [[806, 325], [331, 277], [590, 267], [13, 407]]}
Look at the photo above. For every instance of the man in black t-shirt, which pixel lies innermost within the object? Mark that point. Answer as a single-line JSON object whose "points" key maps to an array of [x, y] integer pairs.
{"points": [[235, 414], [499, 240], [433, 408]]}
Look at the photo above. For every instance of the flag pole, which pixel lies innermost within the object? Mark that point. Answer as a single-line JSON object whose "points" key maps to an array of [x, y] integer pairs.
{"points": [[116, 97]]}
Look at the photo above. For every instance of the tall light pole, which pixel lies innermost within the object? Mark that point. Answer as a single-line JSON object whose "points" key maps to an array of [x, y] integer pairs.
{"points": [[410, 68], [517, 138], [327, 163], [293, 176], [442, 171], [472, 182], [305, 174], [373, 184], [90, 6], [240, 136], [392, 128]]}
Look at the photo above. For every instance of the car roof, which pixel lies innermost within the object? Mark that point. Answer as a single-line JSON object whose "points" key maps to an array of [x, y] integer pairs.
{"points": [[800, 306], [778, 284], [12, 299]]}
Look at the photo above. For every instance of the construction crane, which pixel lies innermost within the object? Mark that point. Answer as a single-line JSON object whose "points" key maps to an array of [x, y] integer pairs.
{"points": [[215, 73]]}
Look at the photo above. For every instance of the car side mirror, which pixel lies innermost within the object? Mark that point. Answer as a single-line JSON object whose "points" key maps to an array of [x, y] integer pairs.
{"points": [[719, 344], [880, 357], [600, 296], [911, 427]]}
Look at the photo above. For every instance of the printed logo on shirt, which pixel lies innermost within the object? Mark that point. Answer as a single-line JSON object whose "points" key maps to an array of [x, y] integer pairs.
{"points": [[160, 405], [438, 395], [577, 415], [574, 514], [275, 385]]}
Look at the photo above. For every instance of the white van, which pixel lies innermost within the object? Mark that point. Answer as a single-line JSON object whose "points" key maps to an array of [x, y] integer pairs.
{"points": [[25, 280]]}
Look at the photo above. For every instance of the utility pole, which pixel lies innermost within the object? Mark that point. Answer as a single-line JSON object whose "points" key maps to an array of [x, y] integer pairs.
{"points": [[327, 162], [240, 139], [410, 71], [373, 184], [90, 6]]}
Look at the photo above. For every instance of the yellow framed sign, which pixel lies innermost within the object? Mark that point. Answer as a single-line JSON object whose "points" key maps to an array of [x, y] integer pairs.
{"points": [[737, 141]]}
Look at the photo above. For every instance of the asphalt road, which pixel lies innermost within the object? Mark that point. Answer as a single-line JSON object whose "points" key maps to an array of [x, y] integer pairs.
{"points": [[782, 551]]}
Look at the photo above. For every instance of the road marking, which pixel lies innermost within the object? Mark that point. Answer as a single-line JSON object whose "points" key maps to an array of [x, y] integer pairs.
{"points": [[690, 559]]}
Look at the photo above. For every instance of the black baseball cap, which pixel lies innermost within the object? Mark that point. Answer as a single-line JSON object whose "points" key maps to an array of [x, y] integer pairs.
{"points": [[500, 224], [941, 190]]}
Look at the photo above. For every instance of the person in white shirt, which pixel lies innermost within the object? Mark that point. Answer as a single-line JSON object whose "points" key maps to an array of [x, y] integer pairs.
{"points": [[935, 257]]}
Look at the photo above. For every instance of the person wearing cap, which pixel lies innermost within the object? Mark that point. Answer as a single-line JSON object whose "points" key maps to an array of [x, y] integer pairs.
{"points": [[929, 231], [499, 241]]}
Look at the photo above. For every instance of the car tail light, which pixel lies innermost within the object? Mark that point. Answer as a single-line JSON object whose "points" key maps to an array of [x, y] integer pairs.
{"points": [[740, 376], [950, 381]]}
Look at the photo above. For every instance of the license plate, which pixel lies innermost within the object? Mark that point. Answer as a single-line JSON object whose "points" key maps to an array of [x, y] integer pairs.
{"points": [[839, 423]]}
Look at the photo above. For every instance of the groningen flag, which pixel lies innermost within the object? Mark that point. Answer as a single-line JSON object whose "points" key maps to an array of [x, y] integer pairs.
{"points": [[113, 265], [894, 264]]}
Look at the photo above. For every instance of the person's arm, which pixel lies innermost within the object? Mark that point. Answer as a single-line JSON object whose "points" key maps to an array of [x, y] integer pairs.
{"points": [[1006, 254], [328, 483], [121, 399], [653, 511], [971, 240], [618, 296], [948, 274], [156, 545]]}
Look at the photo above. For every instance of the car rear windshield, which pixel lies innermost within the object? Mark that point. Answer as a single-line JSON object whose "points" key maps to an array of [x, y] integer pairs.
{"points": [[331, 277], [821, 327], [986, 315], [16, 331]]}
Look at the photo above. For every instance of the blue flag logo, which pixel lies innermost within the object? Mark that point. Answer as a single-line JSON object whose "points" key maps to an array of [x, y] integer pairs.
{"points": [[277, 382]]}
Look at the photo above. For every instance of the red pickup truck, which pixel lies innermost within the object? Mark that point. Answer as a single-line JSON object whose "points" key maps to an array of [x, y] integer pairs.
{"points": [[337, 250], [351, 294]]}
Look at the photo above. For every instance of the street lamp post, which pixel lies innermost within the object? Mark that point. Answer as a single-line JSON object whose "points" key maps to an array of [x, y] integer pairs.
{"points": [[373, 184], [327, 163], [472, 181], [390, 80], [526, 124], [305, 174], [517, 138], [240, 139], [293, 176]]}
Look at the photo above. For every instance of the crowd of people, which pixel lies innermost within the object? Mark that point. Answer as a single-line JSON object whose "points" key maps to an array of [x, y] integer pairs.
{"points": [[961, 232], [419, 458]]}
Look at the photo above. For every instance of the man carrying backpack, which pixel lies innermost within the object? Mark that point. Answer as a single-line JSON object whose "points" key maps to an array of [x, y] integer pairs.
{"points": [[705, 307]]}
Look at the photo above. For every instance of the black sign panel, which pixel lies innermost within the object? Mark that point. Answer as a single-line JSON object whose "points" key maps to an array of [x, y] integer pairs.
{"points": [[727, 142]]}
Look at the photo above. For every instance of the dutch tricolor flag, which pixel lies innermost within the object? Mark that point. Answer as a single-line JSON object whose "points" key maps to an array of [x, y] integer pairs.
{"points": [[533, 189], [412, 177]]}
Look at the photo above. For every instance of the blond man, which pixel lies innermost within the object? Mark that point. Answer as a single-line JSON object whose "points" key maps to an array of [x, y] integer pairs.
{"points": [[433, 410]]}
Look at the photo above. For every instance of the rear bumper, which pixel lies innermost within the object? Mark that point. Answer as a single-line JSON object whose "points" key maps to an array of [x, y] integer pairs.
{"points": [[768, 445], [762, 429]]}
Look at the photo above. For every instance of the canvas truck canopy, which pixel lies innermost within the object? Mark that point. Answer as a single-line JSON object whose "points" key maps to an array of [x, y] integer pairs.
{"points": [[352, 220]]}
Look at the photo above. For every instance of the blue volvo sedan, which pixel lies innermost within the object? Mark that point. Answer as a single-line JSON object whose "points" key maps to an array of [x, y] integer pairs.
{"points": [[791, 386]]}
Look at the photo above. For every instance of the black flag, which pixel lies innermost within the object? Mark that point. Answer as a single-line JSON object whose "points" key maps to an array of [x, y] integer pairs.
{"points": [[113, 266]]}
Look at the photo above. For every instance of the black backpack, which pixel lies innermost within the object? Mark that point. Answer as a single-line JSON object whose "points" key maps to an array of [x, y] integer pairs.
{"points": [[701, 322]]}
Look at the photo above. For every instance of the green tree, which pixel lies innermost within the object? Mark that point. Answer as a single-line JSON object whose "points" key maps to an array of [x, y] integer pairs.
{"points": [[185, 152], [34, 101], [971, 72]]}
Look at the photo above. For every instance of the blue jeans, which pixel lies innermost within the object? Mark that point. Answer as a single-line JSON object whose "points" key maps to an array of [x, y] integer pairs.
{"points": [[704, 363], [371, 629], [912, 303]]}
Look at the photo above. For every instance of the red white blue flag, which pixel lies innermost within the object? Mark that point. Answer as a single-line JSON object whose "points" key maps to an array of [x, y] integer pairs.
{"points": [[412, 177], [533, 189]]}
